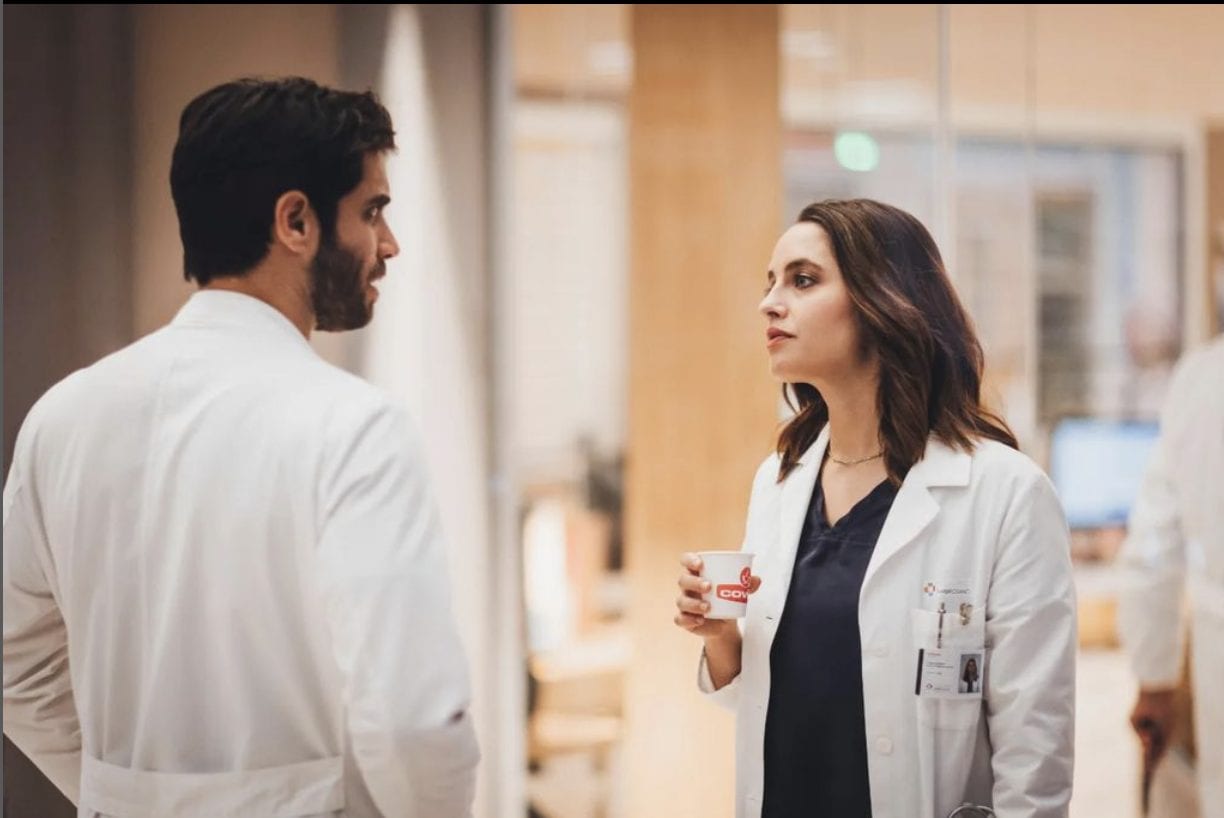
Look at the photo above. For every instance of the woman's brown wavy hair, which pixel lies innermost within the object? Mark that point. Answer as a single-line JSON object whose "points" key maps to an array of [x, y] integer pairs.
{"points": [[910, 317]]}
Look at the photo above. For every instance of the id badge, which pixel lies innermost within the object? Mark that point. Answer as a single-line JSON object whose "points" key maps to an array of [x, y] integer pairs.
{"points": [[949, 673]]}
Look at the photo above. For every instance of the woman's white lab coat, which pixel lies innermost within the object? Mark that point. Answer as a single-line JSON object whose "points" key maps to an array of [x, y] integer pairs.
{"points": [[984, 528]]}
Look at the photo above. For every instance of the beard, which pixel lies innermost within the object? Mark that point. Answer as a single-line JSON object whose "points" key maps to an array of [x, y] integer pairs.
{"points": [[338, 288]]}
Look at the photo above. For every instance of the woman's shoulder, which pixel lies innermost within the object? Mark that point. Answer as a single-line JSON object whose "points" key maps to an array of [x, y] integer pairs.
{"points": [[765, 491], [1010, 483], [767, 472], [993, 455], [765, 484], [998, 465]]}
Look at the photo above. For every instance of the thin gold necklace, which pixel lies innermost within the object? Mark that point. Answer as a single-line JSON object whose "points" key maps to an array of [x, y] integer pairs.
{"points": [[829, 452]]}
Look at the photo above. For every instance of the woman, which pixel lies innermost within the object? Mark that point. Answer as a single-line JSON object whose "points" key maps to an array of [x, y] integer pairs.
{"points": [[896, 528], [969, 678]]}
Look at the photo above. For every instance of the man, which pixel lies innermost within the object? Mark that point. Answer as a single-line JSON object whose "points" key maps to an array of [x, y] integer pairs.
{"points": [[225, 592], [1176, 543]]}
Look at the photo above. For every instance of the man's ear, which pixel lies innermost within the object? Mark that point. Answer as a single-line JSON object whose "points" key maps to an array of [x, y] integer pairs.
{"points": [[294, 223]]}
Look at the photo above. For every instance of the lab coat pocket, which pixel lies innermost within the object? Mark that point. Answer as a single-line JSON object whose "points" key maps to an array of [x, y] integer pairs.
{"points": [[950, 664]]}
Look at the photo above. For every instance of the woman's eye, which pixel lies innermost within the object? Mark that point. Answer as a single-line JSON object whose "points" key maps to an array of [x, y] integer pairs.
{"points": [[373, 213], [803, 282]]}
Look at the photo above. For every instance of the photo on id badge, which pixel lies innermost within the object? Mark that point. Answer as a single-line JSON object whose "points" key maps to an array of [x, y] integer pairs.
{"points": [[970, 673]]}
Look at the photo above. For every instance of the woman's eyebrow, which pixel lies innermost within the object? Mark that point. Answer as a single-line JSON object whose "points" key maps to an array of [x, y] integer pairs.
{"points": [[803, 264]]}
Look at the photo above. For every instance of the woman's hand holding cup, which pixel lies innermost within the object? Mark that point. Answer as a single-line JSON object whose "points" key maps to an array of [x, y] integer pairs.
{"points": [[714, 590]]}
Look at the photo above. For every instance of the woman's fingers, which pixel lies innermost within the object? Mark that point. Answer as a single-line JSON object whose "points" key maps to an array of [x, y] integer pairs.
{"points": [[693, 605], [689, 621], [690, 606], [692, 584], [692, 563]]}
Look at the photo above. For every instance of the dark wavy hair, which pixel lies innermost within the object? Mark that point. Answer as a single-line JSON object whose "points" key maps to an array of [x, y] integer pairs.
{"points": [[243, 144], [909, 316]]}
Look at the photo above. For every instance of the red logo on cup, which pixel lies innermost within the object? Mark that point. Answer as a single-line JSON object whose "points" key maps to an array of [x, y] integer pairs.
{"points": [[731, 593], [745, 577]]}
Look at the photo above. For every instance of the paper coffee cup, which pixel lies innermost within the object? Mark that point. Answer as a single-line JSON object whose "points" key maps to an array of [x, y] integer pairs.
{"points": [[728, 573]]}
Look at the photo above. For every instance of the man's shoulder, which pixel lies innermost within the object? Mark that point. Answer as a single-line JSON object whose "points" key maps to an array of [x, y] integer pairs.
{"points": [[342, 405], [332, 387], [299, 386], [117, 371]]}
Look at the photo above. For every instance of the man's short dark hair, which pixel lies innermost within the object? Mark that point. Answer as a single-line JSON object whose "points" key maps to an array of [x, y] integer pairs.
{"points": [[243, 144]]}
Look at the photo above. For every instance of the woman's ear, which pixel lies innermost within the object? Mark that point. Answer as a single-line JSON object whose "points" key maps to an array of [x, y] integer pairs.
{"points": [[294, 224]]}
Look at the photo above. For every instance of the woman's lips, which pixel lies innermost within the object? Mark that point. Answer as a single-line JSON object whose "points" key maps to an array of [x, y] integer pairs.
{"points": [[774, 337]]}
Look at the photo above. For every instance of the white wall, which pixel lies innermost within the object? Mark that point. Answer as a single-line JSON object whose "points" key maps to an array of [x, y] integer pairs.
{"points": [[428, 344], [565, 312]]}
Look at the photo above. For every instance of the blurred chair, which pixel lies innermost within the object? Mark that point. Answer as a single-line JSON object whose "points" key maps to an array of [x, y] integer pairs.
{"points": [[577, 708]]}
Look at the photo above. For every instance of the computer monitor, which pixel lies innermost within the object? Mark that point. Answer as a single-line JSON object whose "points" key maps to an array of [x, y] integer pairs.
{"points": [[1097, 467]]}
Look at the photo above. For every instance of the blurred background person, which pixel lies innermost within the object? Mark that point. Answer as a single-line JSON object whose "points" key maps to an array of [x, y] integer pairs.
{"points": [[1174, 554]]}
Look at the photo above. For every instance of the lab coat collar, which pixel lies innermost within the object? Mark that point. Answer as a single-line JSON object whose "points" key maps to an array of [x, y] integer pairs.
{"points": [[796, 493], [229, 308], [941, 465], [915, 506], [797, 490]]}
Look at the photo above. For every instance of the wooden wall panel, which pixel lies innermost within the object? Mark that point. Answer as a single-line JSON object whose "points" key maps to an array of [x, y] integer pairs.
{"points": [[1215, 229], [705, 198]]}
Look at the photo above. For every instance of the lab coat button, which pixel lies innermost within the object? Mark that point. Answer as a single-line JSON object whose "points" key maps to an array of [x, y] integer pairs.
{"points": [[884, 745]]}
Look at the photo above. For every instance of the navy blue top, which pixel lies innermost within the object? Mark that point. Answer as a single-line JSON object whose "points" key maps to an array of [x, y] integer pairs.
{"points": [[815, 739]]}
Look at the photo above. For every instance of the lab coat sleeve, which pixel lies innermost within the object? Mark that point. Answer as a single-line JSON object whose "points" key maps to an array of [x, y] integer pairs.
{"points": [[728, 695], [383, 574], [40, 714], [1152, 566], [1030, 679]]}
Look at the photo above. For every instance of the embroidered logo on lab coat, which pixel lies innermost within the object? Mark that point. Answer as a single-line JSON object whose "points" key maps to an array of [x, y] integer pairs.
{"points": [[952, 592]]}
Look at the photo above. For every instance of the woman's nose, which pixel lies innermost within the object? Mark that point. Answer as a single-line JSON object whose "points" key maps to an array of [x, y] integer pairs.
{"points": [[771, 307]]}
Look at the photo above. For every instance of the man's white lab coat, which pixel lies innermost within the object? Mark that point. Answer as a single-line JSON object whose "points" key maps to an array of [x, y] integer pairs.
{"points": [[1175, 542], [225, 592], [985, 529]]}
